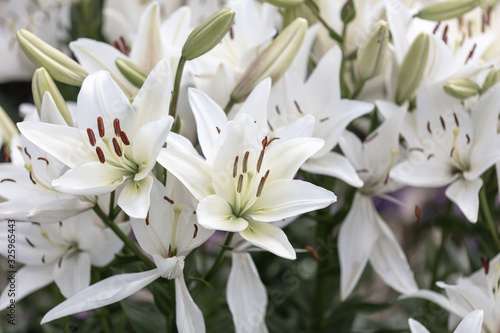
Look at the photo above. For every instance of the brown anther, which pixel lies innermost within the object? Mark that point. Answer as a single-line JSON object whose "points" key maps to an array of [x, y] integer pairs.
{"points": [[486, 265], [35, 223], [195, 231], [124, 138], [437, 27], [43, 159], [70, 247], [322, 120], [194, 212], [488, 15], [362, 171], [91, 136], [456, 119], [60, 223], [275, 138], [418, 212], [430, 156], [278, 110], [313, 252], [471, 53], [7, 180], [29, 242], [169, 251], [452, 151], [6, 153], [240, 183], [43, 259], [386, 179], [270, 126], [469, 28], [261, 158], [298, 107], [264, 142], [231, 32], [100, 127], [170, 201], [116, 145], [483, 22], [26, 152], [468, 138], [370, 137], [245, 162], [100, 154], [429, 127], [31, 178], [218, 129], [126, 48], [443, 123], [235, 167], [445, 34], [412, 149], [261, 184], [147, 218], [60, 262], [116, 126]]}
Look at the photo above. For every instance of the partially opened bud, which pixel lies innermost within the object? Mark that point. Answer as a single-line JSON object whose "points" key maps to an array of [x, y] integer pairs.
{"points": [[208, 34], [413, 68], [8, 128], [292, 13], [42, 82], [348, 12], [492, 79], [61, 67], [372, 53], [461, 88], [447, 10], [273, 61], [131, 71], [285, 3]]}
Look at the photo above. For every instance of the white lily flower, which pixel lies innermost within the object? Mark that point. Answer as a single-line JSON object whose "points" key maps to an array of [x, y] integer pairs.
{"points": [[115, 143], [470, 324], [450, 144], [168, 234], [62, 252], [291, 99], [363, 234], [480, 291], [246, 180]]}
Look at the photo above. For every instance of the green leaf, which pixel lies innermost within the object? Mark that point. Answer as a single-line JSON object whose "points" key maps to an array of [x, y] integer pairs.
{"points": [[144, 318]]}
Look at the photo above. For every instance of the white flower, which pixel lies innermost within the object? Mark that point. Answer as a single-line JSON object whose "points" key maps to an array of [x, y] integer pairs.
{"points": [[115, 143], [470, 324]]}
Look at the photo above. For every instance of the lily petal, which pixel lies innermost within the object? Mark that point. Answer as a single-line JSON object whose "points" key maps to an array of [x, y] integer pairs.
{"points": [[416, 327], [134, 198], [465, 194], [189, 318], [215, 213], [472, 323], [335, 165], [73, 274], [270, 238]]}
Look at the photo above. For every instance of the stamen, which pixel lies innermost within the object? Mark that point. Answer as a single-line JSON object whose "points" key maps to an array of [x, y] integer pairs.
{"points": [[455, 135], [278, 110], [126, 48], [240, 183], [36, 223], [31, 178], [43, 159], [429, 127], [60, 262], [264, 142], [194, 212], [386, 179], [231, 33], [100, 154], [430, 156], [100, 127], [417, 213], [370, 137], [116, 145], [468, 138], [416, 149], [456, 119], [147, 218], [443, 123], [29, 242], [471, 53], [26, 151], [124, 138], [245, 162], [218, 129], [324, 119], [486, 265], [496, 268], [177, 213], [169, 200], [313, 252], [275, 138], [261, 184], [298, 107], [437, 27], [7, 180], [169, 251], [116, 126], [362, 171], [445, 34], [43, 259], [235, 167], [452, 151], [91, 135], [195, 231], [261, 158], [270, 126]]}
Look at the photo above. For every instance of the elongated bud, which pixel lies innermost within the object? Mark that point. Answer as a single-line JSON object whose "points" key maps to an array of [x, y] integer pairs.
{"points": [[447, 10], [413, 68], [273, 61], [461, 88], [292, 13], [371, 55], [42, 82], [208, 34], [131, 71], [61, 67], [348, 12], [492, 79], [285, 3], [8, 127]]}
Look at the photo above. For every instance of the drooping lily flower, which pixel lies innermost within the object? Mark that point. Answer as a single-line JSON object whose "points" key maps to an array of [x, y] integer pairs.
{"points": [[470, 324], [115, 143]]}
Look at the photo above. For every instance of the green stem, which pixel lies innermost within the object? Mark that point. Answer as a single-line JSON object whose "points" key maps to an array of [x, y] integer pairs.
{"points": [[437, 260], [103, 313], [358, 89], [229, 105], [128, 243], [485, 209], [177, 86], [321, 284], [315, 12], [220, 258], [111, 206]]}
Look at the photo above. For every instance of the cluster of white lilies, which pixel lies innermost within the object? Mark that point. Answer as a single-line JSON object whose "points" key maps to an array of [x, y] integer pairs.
{"points": [[237, 116]]}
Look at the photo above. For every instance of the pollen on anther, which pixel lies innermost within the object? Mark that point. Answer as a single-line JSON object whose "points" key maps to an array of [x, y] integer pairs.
{"points": [[313, 252], [261, 158], [7, 180], [116, 145], [245, 162], [235, 167], [29, 242], [261, 184], [240, 183], [100, 127], [91, 136], [147, 219], [124, 138], [429, 127], [43, 159], [486, 265], [443, 124], [436, 28], [170, 201], [195, 231], [31, 178], [116, 126], [100, 154], [445, 34], [26, 151], [456, 119], [418, 212], [468, 138], [218, 129]]}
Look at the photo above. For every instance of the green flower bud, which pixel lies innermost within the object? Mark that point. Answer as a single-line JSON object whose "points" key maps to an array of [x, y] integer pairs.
{"points": [[461, 88], [285, 3], [61, 67], [131, 71], [8, 127], [447, 10], [42, 83], [372, 53], [413, 68], [208, 34], [291, 13], [273, 61], [492, 79], [348, 12]]}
